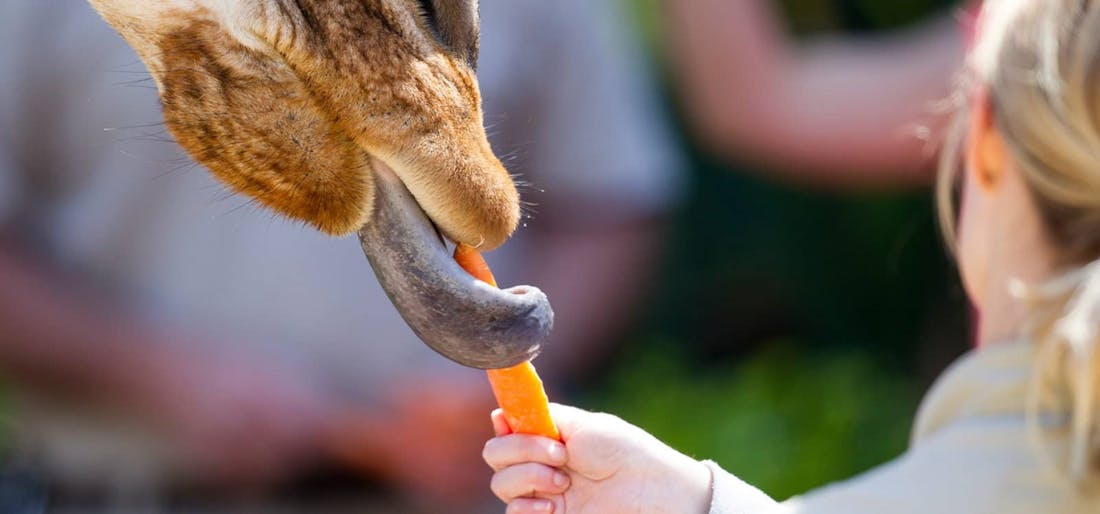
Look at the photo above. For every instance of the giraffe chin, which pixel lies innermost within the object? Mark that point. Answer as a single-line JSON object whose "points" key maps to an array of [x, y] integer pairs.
{"points": [[458, 316]]}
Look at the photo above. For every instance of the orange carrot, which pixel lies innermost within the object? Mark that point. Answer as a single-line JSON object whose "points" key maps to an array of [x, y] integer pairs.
{"points": [[520, 395], [518, 389]]}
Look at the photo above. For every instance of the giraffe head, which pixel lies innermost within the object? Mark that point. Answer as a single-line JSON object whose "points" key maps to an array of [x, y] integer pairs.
{"points": [[307, 106], [290, 102]]}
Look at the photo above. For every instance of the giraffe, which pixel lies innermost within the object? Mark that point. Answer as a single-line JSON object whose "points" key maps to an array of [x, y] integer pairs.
{"points": [[353, 115]]}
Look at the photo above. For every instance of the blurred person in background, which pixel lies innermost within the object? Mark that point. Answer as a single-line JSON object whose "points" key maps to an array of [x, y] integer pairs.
{"points": [[240, 348], [840, 114], [836, 112]]}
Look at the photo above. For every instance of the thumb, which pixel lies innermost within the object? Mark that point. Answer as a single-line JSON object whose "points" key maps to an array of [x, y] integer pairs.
{"points": [[569, 419], [597, 444]]}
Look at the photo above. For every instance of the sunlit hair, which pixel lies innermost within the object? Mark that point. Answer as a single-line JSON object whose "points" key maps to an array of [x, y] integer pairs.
{"points": [[1038, 61]]}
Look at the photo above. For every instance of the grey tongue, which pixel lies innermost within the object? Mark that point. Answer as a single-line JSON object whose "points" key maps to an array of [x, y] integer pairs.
{"points": [[462, 318]]}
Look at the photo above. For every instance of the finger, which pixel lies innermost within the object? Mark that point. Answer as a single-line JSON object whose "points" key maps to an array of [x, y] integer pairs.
{"points": [[530, 506], [509, 450], [528, 480], [500, 423]]}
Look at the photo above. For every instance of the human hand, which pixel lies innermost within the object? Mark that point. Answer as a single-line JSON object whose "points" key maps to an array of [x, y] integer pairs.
{"points": [[425, 439], [605, 466]]}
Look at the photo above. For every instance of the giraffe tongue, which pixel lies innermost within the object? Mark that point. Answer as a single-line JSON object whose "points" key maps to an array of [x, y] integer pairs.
{"points": [[461, 318]]}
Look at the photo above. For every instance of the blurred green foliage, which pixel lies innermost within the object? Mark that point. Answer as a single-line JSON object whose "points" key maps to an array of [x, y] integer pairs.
{"points": [[793, 331], [785, 420]]}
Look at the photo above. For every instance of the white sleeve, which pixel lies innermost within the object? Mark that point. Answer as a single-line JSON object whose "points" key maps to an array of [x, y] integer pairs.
{"points": [[984, 466], [731, 495], [906, 485], [599, 137]]}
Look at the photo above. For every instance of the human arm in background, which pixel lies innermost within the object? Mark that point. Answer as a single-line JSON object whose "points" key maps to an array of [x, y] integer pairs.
{"points": [[240, 421], [834, 112]]}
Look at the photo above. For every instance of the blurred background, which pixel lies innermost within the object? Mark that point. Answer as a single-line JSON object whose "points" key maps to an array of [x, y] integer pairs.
{"points": [[795, 327], [773, 301]]}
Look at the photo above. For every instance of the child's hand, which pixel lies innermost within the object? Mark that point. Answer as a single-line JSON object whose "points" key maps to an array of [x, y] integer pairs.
{"points": [[605, 466]]}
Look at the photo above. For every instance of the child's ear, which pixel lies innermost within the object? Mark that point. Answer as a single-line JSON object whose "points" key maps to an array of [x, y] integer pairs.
{"points": [[985, 149]]}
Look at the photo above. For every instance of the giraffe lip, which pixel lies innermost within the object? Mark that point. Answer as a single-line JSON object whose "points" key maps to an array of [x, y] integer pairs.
{"points": [[461, 318]]}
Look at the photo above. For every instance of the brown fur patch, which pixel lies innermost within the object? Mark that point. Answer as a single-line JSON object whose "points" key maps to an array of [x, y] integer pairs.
{"points": [[257, 128]]}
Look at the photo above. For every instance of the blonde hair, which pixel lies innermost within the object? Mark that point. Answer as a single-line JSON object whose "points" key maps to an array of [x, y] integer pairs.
{"points": [[1039, 63]]}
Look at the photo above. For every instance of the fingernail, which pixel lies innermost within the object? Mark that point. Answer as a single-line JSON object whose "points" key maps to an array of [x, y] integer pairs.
{"points": [[544, 506], [560, 479], [557, 452]]}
